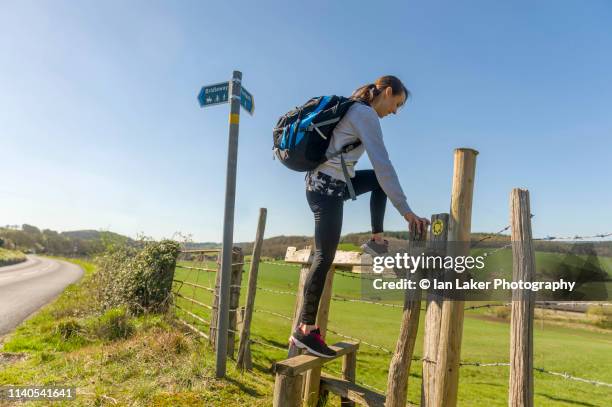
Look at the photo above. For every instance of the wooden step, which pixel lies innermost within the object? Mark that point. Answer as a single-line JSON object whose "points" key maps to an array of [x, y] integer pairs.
{"points": [[351, 391], [302, 363]]}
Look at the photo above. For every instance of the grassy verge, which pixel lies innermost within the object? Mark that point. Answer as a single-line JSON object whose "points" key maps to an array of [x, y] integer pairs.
{"points": [[8, 257], [114, 360]]}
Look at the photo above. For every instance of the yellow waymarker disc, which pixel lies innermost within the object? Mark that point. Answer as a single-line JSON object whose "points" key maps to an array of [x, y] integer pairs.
{"points": [[437, 227]]}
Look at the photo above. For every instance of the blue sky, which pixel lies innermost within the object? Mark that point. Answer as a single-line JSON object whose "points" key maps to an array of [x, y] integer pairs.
{"points": [[100, 127]]}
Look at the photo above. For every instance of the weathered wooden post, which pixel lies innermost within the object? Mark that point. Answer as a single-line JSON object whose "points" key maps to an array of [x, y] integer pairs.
{"points": [[235, 281], [451, 323], [244, 349], [349, 371], [212, 334], [288, 390], [438, 235], [290, 374], [397, 381], [521, 322]]}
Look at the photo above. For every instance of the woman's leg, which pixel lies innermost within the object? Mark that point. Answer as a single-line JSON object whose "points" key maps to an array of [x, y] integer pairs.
{"points": [[366, 181], [327, 212]]}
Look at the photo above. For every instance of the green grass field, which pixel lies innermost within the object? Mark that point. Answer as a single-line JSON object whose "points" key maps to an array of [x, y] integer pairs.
{"points": [[584, 353], [160, 364]]}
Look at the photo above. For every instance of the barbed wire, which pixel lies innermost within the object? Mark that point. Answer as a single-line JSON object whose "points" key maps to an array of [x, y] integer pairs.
{"points": [[335, 298], [570, 377], [267, 345], [361, 341], [264, 311], [483, 364], [358, 276], [541, 370], [280, 264], [492, 252], [280, 292], [491, 235], [382, 304], [576, 237], [486, 306], [599, 304]]}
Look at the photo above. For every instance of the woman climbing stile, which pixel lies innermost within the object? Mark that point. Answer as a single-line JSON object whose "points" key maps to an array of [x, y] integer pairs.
{"points": [[326, 192]]}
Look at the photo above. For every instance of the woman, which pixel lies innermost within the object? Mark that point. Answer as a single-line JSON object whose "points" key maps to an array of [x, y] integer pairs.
{"points": [[326, 192]]}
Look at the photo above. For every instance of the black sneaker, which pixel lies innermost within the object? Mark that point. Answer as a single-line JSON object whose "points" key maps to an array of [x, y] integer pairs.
{"points": [[373, 248], [313, 343]]}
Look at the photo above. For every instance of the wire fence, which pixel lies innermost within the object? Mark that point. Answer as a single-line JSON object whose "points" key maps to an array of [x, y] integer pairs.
{"points": [[575, 237], [462, 363], [259, 341]]}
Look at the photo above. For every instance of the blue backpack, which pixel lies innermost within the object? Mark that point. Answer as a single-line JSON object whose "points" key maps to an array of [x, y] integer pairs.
{"points": [[301, 137]]}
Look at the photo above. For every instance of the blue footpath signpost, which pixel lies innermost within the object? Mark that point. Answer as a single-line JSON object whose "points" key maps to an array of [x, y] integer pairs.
{"points": [[237, 96], [219, 93]]}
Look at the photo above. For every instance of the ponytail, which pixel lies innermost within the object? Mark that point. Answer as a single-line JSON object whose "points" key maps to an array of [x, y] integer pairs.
{"points": [[367, 93]]}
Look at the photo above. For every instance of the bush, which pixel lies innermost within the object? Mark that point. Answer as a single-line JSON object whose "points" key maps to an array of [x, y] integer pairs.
{"points": [[68, 329], [600, 315], [114, 324], [502, 312], [139, 279], [8, 257]]}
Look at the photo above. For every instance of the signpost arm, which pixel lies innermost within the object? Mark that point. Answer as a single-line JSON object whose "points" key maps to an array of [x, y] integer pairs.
{"points": [[228, 224]]}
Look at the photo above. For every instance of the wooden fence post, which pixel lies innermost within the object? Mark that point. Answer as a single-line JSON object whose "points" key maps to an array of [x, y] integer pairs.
{"points": [[236, 279], [451, 323], [215, 306], [521, 323], [294, 350], [349, 371], [313, 377], [287, 390], [397, 381], [235, 286], [438, 235], [244, 349]]}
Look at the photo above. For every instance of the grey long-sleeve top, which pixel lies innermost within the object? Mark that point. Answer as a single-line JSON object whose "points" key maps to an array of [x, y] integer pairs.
{"points": [[362, 123]]}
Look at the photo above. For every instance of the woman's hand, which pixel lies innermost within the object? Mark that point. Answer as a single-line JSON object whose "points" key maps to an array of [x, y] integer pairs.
{"points": [[415, 222]]}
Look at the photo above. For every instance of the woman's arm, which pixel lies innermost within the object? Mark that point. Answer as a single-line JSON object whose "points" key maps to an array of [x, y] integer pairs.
{"points": [[366, 126]]}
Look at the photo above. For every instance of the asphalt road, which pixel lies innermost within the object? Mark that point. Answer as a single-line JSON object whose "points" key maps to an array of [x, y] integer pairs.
{"points": [[27, 286]]}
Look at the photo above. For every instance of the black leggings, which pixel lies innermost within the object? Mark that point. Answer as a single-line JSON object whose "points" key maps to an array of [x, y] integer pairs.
{"points": [[328, 225]]}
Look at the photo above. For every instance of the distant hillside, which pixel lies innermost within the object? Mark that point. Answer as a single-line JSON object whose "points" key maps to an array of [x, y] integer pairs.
{"points": [[201, 245], [30, 239], [89, 234]]}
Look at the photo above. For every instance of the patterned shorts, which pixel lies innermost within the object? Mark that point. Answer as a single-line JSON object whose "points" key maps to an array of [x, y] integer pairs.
{"points": [[325, 184]]}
